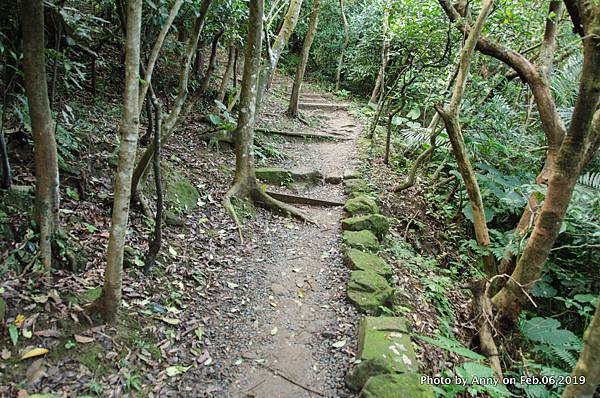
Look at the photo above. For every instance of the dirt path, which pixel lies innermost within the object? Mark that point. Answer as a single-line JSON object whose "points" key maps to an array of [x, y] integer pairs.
{"points": [[305, 283]]}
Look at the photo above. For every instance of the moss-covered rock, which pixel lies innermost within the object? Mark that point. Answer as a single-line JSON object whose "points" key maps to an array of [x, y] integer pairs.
{"points": [[396, 386], [361, 205], [355, 185], [181, 194], [358, 377], [387, 337], [375, 223], [369, 291], [361, 261], [280, 176], [363, 240], [351, 174]]}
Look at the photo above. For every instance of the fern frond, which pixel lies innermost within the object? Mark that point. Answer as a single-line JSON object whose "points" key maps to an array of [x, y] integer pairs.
{"points": [[590, 180], [565, 356]]}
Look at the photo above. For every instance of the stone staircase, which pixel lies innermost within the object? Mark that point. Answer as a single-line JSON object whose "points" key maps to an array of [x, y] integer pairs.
{"points": [[386, 364], [316, 101]]}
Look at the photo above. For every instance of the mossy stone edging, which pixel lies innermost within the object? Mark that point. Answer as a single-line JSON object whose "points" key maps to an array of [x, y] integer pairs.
{"points": [[396, 386], [369, 291], [360, 261], [361, 205], [281, 176], [375, 223], [362, 240]]}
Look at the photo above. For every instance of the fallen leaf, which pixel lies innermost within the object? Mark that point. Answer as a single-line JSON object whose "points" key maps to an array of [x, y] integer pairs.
{"points": [[232, 285], [36, 352], [176, 370], [47, 333], [274, 331], [170, 321], [19, 319], [339, 344], [83, 339]]}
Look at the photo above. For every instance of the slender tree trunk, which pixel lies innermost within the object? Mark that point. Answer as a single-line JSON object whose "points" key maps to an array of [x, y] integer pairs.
{"points": [[287, 27], [228, 73], [173, 116], [308, 40], [109, 301], [385, 49], [6, 181], [338, 72], [588, 365], [157, 238], [156, 50], [450, 116], [212, 61], [46, 158]]}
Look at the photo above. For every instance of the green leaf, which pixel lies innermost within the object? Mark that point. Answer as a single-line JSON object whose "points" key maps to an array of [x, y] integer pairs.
{"points": [[13, 330], [546, 330], [176, 370], [452, 346]]}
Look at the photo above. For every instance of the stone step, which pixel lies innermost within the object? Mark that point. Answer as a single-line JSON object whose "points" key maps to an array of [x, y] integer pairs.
{"points": [[326, 106]]}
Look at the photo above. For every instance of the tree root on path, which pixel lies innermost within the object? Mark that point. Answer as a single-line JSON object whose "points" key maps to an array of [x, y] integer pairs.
{"points": [[294, 382], [257, 195]]}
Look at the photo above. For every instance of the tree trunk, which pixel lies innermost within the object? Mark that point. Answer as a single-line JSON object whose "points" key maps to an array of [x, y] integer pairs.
{"points": [[384, 58], [109, 301], [245, 184], [450, 116], [338, 72], [212, 61], [308, 40], [157, 238], [228, 73], [287, 27], [584, 131], [173, 116], [588, 365], [46, 158], [545, 66], [156, 50]]}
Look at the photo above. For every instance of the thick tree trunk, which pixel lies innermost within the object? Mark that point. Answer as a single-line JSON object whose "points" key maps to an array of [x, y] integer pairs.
{"points": [[582, 135], [300, 69], [228, 73], [46, 158], [287, 27], [338, 72], [245, 184], [450, 116], [545, 66], [110, 300], [588, 365], [173, 116], [385, 49]]}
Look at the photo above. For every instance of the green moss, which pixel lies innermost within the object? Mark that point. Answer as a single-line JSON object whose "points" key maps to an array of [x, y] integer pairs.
{"points": [[280, 176], [355, 186], [361, 205], [90, 294], [369, 291], [358, 377], [361, 261], [387, 338], [363, 240], [396, 386], [375, 223]]}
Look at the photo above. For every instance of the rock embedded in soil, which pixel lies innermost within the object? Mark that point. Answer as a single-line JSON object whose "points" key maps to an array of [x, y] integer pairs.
{"points": [[369, 291], [387, 337], [375, 223], [351, 175], [361, 261], [362, 240], [396, 386], [355, 185], [281, 176], [358, 377], [360, 206], [278, 289]]}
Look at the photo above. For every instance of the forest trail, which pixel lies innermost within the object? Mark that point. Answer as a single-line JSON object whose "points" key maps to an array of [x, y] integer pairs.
{"points": [[301, 308]]}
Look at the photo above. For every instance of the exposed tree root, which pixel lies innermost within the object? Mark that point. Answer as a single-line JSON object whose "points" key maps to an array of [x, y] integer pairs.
{"points": [[258, 196]]}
